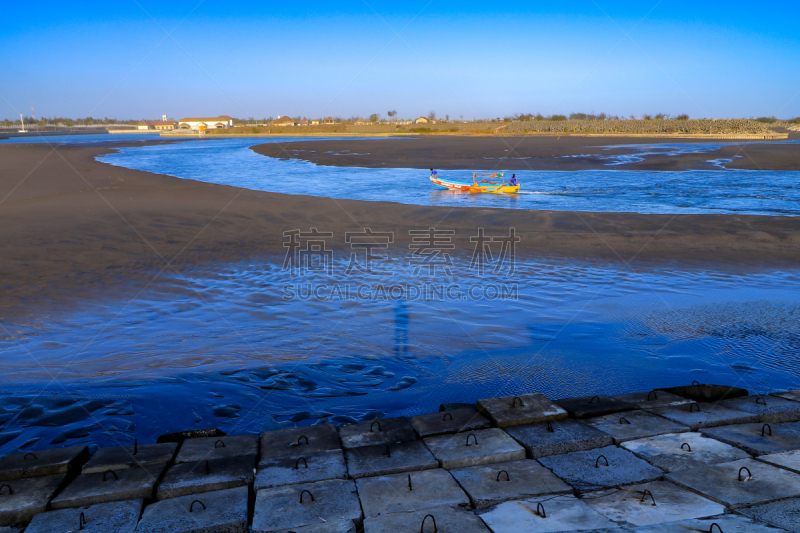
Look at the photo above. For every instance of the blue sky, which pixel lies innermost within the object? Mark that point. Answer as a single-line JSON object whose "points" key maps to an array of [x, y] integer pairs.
{"points": [[142, 58]]}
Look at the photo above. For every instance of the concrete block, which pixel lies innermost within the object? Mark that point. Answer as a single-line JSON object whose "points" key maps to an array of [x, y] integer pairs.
{"points": [[727, 524], [122, 457], [488, 485], [180, 436], [759, 438], [305, 469], [474, 448], [374, 432], [634, 425], [42, 463], [517, 410], [204, 449], [708, 415], [466, 419], [732, 485], [562, 513], [223, 511], [652, 399], [563, 436], [793, 395], [447, 519], [299, 442], [590, 406], [22, 499], [11, 529], [391, 494], [383, 460], [588, 471], [331, 526], [706, 393], [664, 503], [788, 460], [683, 450], [783, 513], [768, 408], [281, 508], [91, 489], [116, 517], [207, 476]]}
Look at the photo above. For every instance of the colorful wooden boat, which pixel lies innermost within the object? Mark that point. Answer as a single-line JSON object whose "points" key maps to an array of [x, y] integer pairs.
{"points": [[480, 183]]}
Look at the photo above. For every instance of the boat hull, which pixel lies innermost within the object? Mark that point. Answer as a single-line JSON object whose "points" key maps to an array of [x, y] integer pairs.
{"points": [[468, 187]]}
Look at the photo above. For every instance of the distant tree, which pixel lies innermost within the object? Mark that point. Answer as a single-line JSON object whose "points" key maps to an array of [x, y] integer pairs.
{"points": [[767, 120], [392, 114], [661, 116], [558, 117], [447, 118], [461, 117], [374, 117], [432, 115], [647, 117]]}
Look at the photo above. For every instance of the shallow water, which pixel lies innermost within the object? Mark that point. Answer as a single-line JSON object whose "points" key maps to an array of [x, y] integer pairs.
{"points": [[231, 162], [249, 346]]}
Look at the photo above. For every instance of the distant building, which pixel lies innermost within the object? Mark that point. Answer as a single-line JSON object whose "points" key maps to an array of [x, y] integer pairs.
{"points": [[421, 120], [301, 122], [206, 123], [315, 122], [329, 120], [283, 121], [157, 125], [363, 122]]}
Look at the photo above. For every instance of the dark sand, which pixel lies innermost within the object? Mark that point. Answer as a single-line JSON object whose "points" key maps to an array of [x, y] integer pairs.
{"points": [[533, 152], [70, 223]]}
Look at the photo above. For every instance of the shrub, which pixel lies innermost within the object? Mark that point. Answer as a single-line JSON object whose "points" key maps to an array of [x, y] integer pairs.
{"points": [[682, 117], [558, 117], [767, 120]]}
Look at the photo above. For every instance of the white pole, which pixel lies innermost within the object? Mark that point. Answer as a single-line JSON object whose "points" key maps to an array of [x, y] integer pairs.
{"points": [[22, 121]]}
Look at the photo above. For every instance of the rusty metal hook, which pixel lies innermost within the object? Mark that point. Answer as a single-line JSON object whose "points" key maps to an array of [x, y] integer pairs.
{"points": [[191, 505], [10, 490], [25, 457], [711, 529], [388, 452], [81, 521], [654, 393], [696, 383], [514, 402], [301, 438], [597, 463], [219, 442], [624, 420], [422, 527], [373, 425], [594, 398], [208, 468], [409, 483], [763, 401], [473, 438], [503, 472], [444, 418], [688, 448], [647, 493], [765, 426], [297, 463], [692, 406], [550, 427], [135, 446], [112, 473], [749, 475], [309, 493], [538, 512]]}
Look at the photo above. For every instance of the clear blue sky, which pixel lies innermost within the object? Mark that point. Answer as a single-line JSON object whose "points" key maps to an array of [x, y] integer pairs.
{"points": [[142, 58]]}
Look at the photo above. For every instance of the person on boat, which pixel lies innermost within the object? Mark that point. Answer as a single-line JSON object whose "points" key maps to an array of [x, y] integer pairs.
{"points": [[513, 181], [434, 174]]}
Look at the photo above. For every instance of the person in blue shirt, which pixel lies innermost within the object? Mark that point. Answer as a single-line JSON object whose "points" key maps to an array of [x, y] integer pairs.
{"points": [[513, 181], [434, 174]]}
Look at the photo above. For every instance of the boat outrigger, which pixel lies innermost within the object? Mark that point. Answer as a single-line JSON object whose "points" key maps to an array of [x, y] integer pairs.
{"points": [[480, 183]]}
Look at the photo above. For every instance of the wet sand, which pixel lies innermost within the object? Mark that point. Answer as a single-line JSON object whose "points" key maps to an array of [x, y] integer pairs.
{"points": [[533, 152], [71, 223]]}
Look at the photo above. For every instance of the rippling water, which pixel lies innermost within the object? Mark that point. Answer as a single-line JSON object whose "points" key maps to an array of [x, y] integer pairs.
{"points": [[248, 346], [231, 162]]}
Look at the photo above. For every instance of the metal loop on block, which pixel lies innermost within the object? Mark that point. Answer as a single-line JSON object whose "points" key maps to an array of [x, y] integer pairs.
{"points": [[135, 446], [388, 452], [654, 393], [444, 418], [595, 398], [692, 406], [624, 420], [473, 438], [763, 401], [10, 490], [503, 472], [219, 442], [422, 527], [208, 468], [695, 382], [112, 473], [765, 426], [686, 444], [301, 438], [309, 493], [373, 425], [409, 483], [25, 457], [191, 505], [550, 427], [749, 475], [597, 463], [540, 510], [711, 529], [81, 521], [297, 463], [647, 493], [517, 399]]}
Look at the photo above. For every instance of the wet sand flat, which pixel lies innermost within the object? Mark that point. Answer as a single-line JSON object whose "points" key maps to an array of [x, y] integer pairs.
{"points": [[70, 221], [533, 152]]}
